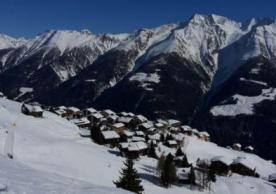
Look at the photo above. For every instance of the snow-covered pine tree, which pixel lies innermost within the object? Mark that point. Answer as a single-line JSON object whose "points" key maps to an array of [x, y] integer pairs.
{"points": [[129, 179]]}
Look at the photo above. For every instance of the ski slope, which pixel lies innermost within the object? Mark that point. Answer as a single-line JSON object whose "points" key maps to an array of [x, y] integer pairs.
{"points": [[52, 146]]}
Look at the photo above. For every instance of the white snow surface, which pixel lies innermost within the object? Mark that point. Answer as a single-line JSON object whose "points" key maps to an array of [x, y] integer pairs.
{"points": [[10, 42], [244, 104], [50, 148]]}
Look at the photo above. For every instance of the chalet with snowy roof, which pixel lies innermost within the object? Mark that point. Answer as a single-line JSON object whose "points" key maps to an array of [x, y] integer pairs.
{"points": [[118, 127], [243, 166], [156, 137], [88, 111], [140, 133], [107, 113], [138, 138], [125, 120], [249, 149], [130, 114], [73, 112], [82, 122], [140, 119], [126, 136], [174, 130], [145, 126], [159, 126], [174, 123], [32, 109], [204, 136], [2, 95], [123, 114], [136, 149], [183, 175], [60, 112], [152, 131], [111, 119], [110, 137], [171, 143], [96, 118], [272, 178], [237, 146], [221, 165]]}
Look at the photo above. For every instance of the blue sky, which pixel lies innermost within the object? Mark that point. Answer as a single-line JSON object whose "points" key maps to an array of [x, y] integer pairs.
{"points": [[30, 17]]}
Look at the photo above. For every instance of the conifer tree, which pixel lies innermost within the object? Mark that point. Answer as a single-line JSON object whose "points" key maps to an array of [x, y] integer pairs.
{"points": [[179, 152], [129, 179], [162, 137], [160, 165], [185, 162], [152, 152], [168, 175], [192, 177]]}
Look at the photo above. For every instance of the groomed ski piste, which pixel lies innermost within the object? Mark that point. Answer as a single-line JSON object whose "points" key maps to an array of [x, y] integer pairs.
{"points": [[49, 156]]}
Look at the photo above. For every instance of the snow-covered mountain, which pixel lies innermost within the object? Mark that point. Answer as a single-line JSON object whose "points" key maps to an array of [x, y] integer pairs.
{"points": [[10, 42], [187, 71], [51, 157]]}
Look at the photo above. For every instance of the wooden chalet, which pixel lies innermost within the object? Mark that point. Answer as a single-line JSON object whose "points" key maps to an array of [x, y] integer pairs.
{"points": [[237, 146], [106, 113], [249, 149], [73, 112], [32, 109], [110, 137], [221, 165], [88, 112], [204, 135], [82, 122], [174, 123], [119, 127], [243, 166]]}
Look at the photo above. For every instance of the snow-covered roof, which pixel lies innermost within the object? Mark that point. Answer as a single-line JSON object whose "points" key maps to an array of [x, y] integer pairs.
{"points": [[130, 114], [124, 119], [141, 118], [245, 162], [137, 146], [80, 121], [109, 112], [128, 133], [155, 137], [73, 109], [237, 145], [90, 110], [159, 125], [97, 115], [110, 135], [225, 160], [173, 122], [249, 148], [139, 133], [172, 142], [204, 133], [146, 125], [60, 111], [125, 114], [118, 125], [33, 108], [137, 138]]}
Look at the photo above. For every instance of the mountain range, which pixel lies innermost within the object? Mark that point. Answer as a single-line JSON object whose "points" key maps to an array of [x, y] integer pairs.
{"points": [[210, 72]]}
